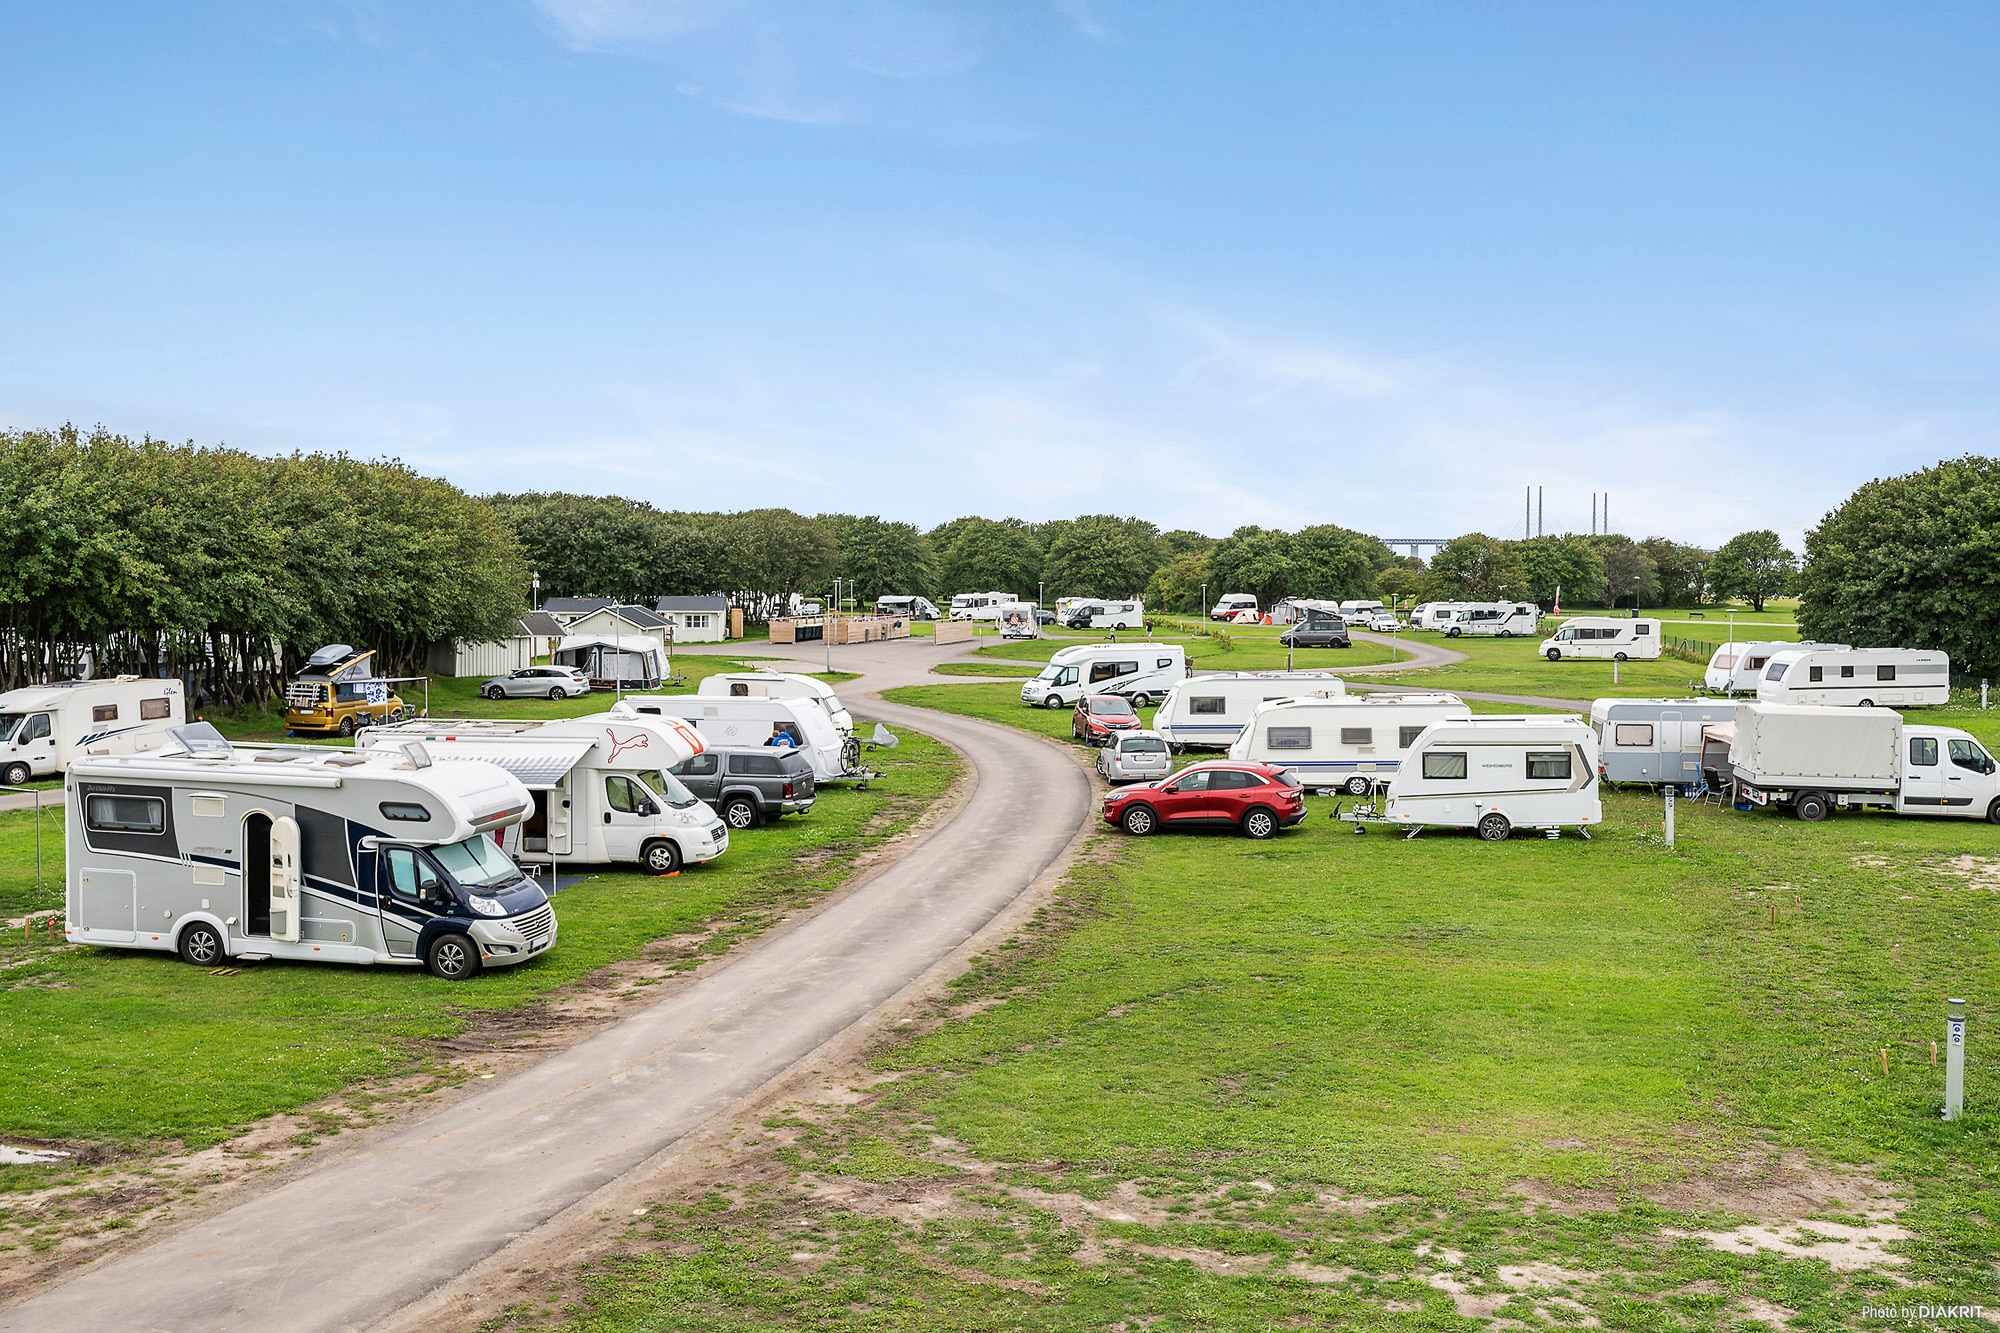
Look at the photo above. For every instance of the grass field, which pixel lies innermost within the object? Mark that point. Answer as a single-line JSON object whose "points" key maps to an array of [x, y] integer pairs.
{"points": [[1358, 1082], [1251, 648]]}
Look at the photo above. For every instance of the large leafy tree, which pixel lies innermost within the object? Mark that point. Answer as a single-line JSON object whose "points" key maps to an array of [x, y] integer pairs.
{"points": [[1253, 560], [1754, 566], [1680, 571], [1099, 556], [1176, 586], [1569, 564], [1336, 563], [1912, 561], [878, 557], [1475, 568], [988, 555], [1628, 571], [776, 553]]}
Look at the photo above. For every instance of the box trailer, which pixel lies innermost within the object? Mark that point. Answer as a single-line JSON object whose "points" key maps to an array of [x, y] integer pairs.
{"points": [[1210, 709], [45, 728], [1814, 760]]}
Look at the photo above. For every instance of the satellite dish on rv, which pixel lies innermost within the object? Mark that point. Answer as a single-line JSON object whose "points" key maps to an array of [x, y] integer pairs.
{"points": [[329, 655]]}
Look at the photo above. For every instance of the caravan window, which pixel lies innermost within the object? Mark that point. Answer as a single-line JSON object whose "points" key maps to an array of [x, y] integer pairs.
{"points": [[1207, 703], [408, 812], [1776, 671], [1847, 673], [1885, 673], [1357, 735], [1548, 765], [1924, 751], [1407, 736], [1812, 673], [1724, 661], [1444, 763], [1163, 663], [125, 814], [153, 710], [1288, 738], [1102, 671], [1641, 630], [104, 713], [1632, 733]]}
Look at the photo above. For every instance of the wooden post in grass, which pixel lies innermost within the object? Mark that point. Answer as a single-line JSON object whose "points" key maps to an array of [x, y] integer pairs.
{"points": [[1885, 1062]]}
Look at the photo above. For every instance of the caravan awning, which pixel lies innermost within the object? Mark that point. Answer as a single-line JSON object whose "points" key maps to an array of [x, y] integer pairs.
{"points": [[539, 766]]}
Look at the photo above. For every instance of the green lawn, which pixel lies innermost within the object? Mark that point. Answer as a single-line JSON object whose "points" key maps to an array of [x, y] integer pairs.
{"points": [[1250, 648], [1513, 666], [1315, 1082]]}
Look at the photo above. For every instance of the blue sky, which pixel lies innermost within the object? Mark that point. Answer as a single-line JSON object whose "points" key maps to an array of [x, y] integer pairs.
{"points": [[1381, 265]]}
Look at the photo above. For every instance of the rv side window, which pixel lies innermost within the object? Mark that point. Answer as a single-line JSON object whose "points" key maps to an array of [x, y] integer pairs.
{"points": [[1163, 663], [1632, 733], [1444, 763], [1548, 765], [1813, 673], [1755, 663], [104, 713], [1775, 672], [1641, 630], [1885, 673], [1102, 671], [1847, 673], [1357, 735], [125, 814], [1288, 738], [738, 689], [408, 812], [1128, 668], [152, 710], [1206, 703], [1923, 751], [1407, 736]]}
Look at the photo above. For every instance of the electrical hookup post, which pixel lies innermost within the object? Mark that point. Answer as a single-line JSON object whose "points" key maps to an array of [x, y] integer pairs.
{"points": [[1954, 1059], [1669, 791]]}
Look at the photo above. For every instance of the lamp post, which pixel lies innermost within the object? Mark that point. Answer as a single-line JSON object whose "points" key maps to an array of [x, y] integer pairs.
{"points": [[1202, 610], [535, 596], [826, 627]]}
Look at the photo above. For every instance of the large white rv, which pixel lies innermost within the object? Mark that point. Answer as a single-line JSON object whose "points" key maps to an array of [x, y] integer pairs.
{"points": [[1603, 637], [739, 721], [1434, 615], [600, 785], [1141, 672], [1209, 709], [1358, 612], [980, 605], [1232, 604], [779, 685], [1654, 740], [307, 853], [1814, 760], [1502, 620], [1353, 743], [44, 728], [1736, 668], [1098, 613], [1496, 774], [1856, 677]]}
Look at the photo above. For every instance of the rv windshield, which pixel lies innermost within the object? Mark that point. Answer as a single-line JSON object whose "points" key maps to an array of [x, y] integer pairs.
{"points": [[668, 788], [477, 863], [9, 721]]}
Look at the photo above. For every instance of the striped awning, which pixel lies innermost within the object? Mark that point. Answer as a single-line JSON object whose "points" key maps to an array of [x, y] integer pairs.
{"points": [[540, 765]]}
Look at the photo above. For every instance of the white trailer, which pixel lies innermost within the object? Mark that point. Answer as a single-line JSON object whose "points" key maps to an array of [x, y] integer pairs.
{"points": [[46, 728], [1856, 677], [1738, 667], [1495, 774], [1353, 743], [1814, 760], [1140, 672], [980, 605], [737, 721], [1231, 605], [600, 785], [1019, 621], [1500, 620], [1612, 637], [307, 853], [1654, 740], [1210, 709], [779, 685], [1434, 615]]}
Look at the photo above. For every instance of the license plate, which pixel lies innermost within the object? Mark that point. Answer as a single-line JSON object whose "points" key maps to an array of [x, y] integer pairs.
{"points": [[541, 943]]}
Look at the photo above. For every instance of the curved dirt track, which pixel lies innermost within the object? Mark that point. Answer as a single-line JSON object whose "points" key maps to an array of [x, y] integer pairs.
{"points": [[364, 1235]]}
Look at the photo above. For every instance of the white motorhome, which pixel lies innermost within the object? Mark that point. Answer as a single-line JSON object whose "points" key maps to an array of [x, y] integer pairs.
{"points": [[1496, 774], [1141, 672], [1434, 615], [980, 605], [1503, 620], [44, 728], [738, 721], [1856, 677], [1736, 668], [1101, 614], [1354, 742], [1019, 621], [1603, 637], [1654, 740], [909, 606], [779, 685], [1231, 605], [600, 785], [1815, 760], [1360, 612], [307, 853], [1210, 709]]}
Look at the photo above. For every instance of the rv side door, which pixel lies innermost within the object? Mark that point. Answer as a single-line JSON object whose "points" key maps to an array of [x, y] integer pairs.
{"points": [[285, 879]]}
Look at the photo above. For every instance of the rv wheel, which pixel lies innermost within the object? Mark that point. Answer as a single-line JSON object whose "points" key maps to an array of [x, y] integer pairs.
{"points": [[454, 957], [1358, 785], [1618, 657], [16, 775], [201, 945], [1555, 654], [1506, 634], [1260, 824], [1453, 632], [1495, 828], [1867, 703], [1812, 807], [1142, 700], [662, 856]]}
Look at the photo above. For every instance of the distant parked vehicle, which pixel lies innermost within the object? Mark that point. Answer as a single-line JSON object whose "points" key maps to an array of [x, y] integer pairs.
{"points": [[43, 728], [1231, 605], [1358, 612], [1856, 677], [1499, 620], [1141, 672], [1208, 710], [1603, 636], [1107, 615], [1100, 717], [1356, 741], [908, 606], [980, 605], [1044, 616], [1737, 667], [1255, 798], [1317, 629], [538, 682], [1382, 622], [749, 786], [1135, 756]]}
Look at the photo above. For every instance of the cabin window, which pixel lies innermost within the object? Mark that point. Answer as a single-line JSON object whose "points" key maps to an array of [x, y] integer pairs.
{"points": [[1967, 755], [622, 795], [1207, 703], [1885, 673], [1632, 733], [104, 712], [405, 812], [1357, 735], [125, 814], [1548, 765], [1776, 671], [1813, 673], [695, 621], [1924, 751], [1288, 738], [1847, 673], [1641, 630], [1407, 736], [1444, 763], [153, 710], [411, 878], [37, 728]]}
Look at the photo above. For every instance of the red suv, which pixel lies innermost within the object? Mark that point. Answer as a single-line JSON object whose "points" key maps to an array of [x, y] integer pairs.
{"points": [[1256, 798], [1099, 716]]}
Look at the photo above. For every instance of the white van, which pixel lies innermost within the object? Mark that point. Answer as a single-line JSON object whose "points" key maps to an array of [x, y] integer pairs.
{"points": [[1141, 672], [1209, 709], [980, 605], [1736, 668], [1231, 605], [1095, 614], [600, 785], [737, 721], [1353, 742], [1856, 677], [1360, 613], [778, 685], [906, 605], [1603, 636], [1500, 620], [1496, 774], [45, 728]]}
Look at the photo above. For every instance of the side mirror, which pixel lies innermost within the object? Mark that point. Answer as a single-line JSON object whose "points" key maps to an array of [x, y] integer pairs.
{"points": [[648, 808]]}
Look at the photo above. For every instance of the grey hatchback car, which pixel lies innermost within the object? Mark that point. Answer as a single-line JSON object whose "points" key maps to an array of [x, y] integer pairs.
{"points": [[748, 786], [538, 682]]}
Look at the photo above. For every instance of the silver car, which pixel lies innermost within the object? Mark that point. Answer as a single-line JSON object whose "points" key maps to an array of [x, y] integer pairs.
{"points": [[538, 682], [1135, 756]]}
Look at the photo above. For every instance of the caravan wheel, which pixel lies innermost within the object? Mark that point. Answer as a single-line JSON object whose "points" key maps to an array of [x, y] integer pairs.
{"points": [[1358, 785], [1619, 657], [1495, 828]]}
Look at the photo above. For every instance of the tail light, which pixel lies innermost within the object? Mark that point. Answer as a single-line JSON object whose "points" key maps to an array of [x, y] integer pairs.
{"points": [[788, 789]]}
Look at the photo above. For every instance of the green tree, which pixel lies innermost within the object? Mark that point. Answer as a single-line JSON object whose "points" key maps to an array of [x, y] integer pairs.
{"points": [[988, 555], [1098, 556], [1176, 586], [1628, 571], [776, 554], [1568, 563], [1336, 563], [1680, 571], [1475, 568], [1253, 560], [1752, 565], [878, 557]]}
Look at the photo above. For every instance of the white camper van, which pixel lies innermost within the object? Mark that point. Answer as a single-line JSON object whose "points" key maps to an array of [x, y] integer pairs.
{"points": [[1232, 605], [1737, 668], [1141, 672], [779, 685], [1354, 742], [1500, 620], [1099, 614], [727, 721], [1856, 677], [1209, 709], [1602, 637], [908, 606], [44, 728], [1496, 774], [980, 605], [600, 785], [1814, 760], [1434, 615], [1360, 612], [312, 854], [1654, 740]]}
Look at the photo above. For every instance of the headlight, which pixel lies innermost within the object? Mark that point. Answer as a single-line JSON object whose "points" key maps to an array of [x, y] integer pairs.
{"points": [[485, 906]]}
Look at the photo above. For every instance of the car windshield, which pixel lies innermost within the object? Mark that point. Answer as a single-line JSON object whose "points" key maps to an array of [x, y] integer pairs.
{"points": [[9, 721], [668, 788], [477, 863], [1144, 745], [1111, 708], [1048, 673]]}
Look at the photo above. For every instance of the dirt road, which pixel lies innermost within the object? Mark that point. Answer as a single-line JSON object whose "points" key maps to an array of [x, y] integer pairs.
{"points": [[369, 1232]]}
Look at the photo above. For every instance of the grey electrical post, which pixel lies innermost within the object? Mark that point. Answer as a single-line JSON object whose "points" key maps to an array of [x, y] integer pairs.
{"points": [[1954, 1060], [1668, 790]]}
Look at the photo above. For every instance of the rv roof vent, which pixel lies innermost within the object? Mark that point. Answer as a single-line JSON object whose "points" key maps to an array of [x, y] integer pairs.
{"points": [[202, 741], [419, 757], [345, 760], [279, 757]]}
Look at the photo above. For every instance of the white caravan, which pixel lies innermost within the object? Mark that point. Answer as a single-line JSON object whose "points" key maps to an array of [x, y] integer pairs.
{"points": [[1101, 614], [980, 605], [44, 728], [1434, 615], [600, 785], [779, 685], [1814, 760], [1232, 605], [1503, 620], [1209, 709], [908, 606], [1603, 637], [308, 853], [1654, 740], [1352, 743], [1496, 774], [1856, 677], [1360, 613], [736, 722], [1737, 668], [1141, 672], [1018, 621]]}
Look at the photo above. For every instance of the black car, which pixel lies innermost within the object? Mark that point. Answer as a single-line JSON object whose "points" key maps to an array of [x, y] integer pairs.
{"points": [[1317, 632], [749, 786]]}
